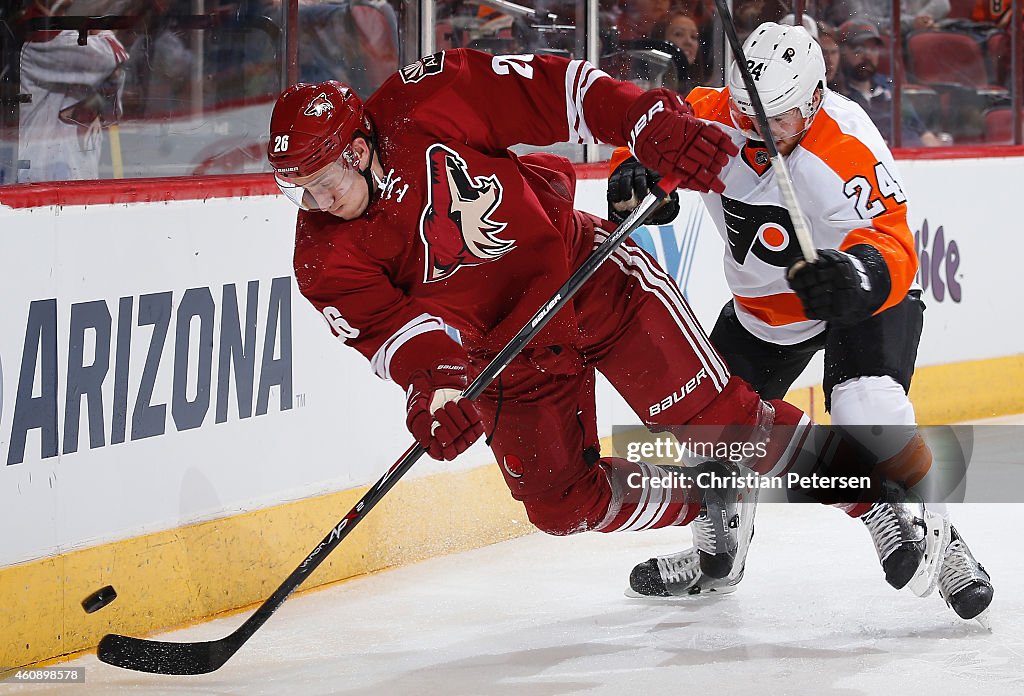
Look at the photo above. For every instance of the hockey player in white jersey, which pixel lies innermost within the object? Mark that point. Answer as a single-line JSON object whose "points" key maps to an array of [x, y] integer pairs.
{"points": [[75, 93], [858, 302]]}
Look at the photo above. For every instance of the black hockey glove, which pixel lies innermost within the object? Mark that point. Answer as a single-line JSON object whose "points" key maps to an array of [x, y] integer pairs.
{"points": [[627, 186], [841, 288]]}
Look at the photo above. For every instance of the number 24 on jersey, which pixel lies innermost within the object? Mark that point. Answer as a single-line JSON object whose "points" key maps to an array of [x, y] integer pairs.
{"points": [[869, 202]]}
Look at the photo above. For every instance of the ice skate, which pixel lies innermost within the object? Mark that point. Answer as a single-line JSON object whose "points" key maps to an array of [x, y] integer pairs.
{"points": [[964, 583], [908, 538], [679, 575], [722, 533]]}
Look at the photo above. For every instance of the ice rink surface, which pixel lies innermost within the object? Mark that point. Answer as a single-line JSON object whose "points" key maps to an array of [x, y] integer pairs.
{"points": [[539, 616], [545, 616]]}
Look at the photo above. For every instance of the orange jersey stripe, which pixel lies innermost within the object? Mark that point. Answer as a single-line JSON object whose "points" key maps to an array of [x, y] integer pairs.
{"points": [[774, 310], [711, 105], [854, 163]]}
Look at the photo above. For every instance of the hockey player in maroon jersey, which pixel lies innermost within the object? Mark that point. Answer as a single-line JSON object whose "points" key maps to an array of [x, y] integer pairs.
{"points": [[415, 215], [858, 302]]}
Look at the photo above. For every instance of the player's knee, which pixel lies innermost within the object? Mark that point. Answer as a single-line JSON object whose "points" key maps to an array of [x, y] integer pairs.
{"points": [[555, 518], [871, 401], [878, 415], [579, 507]]}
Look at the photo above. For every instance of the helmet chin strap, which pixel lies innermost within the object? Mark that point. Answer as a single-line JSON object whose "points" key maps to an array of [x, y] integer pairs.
{"points": [[808, 122], [373, 183]]}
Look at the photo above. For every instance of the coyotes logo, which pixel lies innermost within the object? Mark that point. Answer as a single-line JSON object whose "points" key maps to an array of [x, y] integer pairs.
{"points": [[319, 106], [456, 227]]}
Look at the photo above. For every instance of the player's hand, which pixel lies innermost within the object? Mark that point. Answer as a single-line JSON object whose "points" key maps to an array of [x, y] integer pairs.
{"points": [[839, 287], [666, 137], [627, 186], [438, 417]]}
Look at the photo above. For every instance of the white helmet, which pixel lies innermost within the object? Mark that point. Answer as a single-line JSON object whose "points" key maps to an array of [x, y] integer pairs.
{"points": [[787, 67]]}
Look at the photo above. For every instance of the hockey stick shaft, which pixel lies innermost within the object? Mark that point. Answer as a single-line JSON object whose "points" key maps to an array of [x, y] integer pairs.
{"points": [[116, 160], [199, 658], [786, 188]]}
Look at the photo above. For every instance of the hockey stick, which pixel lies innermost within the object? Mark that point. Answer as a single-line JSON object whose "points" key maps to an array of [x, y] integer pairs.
{"points": [[803, 234], [202, 657], [116, 161]]}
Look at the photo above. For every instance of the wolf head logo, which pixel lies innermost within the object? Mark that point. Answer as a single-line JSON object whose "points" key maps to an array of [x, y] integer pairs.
{"points": [[456, 226], [319, 106]]}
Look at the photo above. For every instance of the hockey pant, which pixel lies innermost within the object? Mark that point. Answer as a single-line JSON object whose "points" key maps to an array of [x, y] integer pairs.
{"points": [[868, 369]]}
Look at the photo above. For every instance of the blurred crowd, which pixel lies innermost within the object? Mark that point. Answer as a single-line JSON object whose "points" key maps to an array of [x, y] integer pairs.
{"points": [[953, 63], [153, 61]]}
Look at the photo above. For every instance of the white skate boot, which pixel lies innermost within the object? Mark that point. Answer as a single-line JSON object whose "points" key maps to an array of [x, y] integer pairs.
{"points": [[715, 564], [964, 583]]}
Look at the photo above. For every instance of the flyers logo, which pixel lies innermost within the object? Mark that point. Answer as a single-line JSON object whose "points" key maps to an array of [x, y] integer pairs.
{"points": [[456, 225], [424, 67], [763, 230], [319, 106]]}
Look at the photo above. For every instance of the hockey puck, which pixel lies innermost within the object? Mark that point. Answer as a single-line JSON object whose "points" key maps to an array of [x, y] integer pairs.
{"points": [[99, 599]]}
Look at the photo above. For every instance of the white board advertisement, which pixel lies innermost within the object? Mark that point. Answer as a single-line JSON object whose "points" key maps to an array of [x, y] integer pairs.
{"points": [[158, 365]]}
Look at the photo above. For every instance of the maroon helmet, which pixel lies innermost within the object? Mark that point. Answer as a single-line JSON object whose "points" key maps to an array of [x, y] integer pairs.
{"points": [[312, 126]]}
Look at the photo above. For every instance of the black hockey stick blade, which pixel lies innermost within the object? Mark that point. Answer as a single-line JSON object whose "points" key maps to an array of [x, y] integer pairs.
{"points": [[158, 657]]}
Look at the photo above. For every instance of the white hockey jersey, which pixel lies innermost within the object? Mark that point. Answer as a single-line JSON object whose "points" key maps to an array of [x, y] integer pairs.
{"points": [[60, 131], [849, 191]]}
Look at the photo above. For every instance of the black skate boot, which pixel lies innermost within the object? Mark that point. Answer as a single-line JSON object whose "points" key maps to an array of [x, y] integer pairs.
{"points": [[964, 583], [721, 534], [679, 575], [665, 576], [908, 539]]}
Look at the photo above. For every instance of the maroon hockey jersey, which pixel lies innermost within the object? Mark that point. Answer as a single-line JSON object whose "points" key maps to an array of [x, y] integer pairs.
{"points": [[462, 232]]}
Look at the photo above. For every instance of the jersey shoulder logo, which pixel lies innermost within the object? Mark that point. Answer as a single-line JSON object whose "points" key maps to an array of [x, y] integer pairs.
{"points": [[319, 106], [424, 67], [456, 225], [762, 229], [756, 157]]}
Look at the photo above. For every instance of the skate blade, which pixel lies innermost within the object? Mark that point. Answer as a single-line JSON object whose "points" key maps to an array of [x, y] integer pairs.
{"points": [[936, 540], [985, 620], [704, 594], [695, 591]]}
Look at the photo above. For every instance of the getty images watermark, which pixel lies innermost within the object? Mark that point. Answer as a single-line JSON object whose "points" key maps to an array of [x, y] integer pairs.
{"points": [[952, 463], [666, 449]]}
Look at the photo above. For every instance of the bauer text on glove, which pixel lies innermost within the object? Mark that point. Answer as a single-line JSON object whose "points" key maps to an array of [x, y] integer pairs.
{"points": [[666, 137], [443, 422]]}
